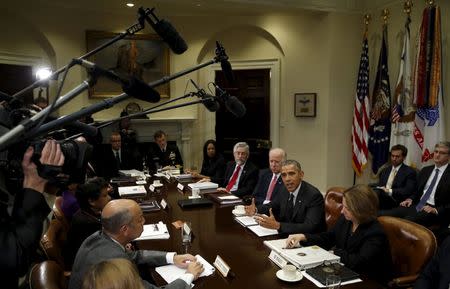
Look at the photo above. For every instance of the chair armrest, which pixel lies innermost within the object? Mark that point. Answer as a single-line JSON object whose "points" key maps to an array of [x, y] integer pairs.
{"points": [[404, 281]]}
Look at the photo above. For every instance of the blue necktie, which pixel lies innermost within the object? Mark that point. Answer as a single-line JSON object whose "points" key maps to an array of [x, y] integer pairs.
{"points": [[427, 194]]}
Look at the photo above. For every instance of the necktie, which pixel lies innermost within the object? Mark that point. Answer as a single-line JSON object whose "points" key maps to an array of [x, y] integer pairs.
{"points": [[271, 187], [290, 207], [233, 178], [427, 194], [118, 158], [391, 178]]}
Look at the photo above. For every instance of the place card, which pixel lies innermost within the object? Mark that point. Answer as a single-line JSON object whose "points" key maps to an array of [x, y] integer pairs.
{"points": [[152, 188], [163, 204], [186, 228], [142, 182], [180, 187], [223, 267], [277, 259]]}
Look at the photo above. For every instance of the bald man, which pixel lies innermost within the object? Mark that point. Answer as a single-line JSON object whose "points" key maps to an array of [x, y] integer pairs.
{"points": [[122, 222], [270, 183]]}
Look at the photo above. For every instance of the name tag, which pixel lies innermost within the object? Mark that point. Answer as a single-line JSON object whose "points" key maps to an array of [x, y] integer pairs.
{"points": [[163, 204], [277, 259], [167, 176], [186, 229], [151, 188], [220, 264], [180, 187], [141, 182]]}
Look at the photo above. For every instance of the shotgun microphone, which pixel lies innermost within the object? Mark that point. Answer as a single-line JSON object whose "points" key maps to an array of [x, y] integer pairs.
{"points": [[232, 103]]}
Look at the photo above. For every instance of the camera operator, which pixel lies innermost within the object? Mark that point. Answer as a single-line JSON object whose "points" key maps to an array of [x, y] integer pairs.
{"points": [[21, 230]]}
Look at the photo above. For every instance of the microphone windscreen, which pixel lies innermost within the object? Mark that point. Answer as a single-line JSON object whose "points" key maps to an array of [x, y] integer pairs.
{"points": [[141, 90], [235, 106], [170, 35], [211, 103], [227, 70], [86, 129]]}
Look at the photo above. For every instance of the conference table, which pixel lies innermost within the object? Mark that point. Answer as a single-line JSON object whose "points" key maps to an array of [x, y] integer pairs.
{"points": [[216, 232]]}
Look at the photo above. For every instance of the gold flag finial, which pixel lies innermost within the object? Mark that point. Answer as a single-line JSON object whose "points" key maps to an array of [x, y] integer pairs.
{"points": [[385, 14], [430, 2], [407, 7], [367, 19]]}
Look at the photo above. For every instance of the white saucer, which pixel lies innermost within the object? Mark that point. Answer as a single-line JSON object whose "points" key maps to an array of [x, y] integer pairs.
{"points": [[238, 214], [298, 277], [158, 185]]}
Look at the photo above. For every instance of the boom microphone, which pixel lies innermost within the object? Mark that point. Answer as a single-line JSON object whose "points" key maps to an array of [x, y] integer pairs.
{"points": [[165, 30], [209, 101], [224, 63], [132, 86], [232, 103]]}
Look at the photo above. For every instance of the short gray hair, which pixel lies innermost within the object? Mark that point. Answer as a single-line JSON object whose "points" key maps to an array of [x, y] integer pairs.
{"points": [[443, 144], [241, 145], [292, 162], [114, 222], [279, 151]]}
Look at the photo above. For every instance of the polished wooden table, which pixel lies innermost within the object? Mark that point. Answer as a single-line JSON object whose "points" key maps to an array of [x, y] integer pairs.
{"points": [[215, 232]]}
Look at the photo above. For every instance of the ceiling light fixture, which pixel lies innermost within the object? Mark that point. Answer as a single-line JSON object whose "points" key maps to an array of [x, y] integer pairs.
{"points": [[130, 4]]}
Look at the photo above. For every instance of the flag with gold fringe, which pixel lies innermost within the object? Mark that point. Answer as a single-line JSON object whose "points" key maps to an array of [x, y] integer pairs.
{"points": [[429, 123], [380, 116]]}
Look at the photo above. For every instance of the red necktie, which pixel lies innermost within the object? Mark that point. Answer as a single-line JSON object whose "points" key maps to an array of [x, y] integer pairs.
{"points": [[233, 178], [271, 187]]}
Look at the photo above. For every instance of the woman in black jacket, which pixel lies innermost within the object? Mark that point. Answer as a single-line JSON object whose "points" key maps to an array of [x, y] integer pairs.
{"points": [[358, 238], [213, 166]]}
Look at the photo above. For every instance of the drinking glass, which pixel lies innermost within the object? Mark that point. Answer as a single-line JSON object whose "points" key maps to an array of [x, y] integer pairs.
{"points": [[333, 282]]}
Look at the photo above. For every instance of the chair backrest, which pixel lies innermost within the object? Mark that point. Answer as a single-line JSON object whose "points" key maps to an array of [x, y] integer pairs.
{"points": [[53, 240], [333, 205], [47, 275], [412, 245], [58, 212]]}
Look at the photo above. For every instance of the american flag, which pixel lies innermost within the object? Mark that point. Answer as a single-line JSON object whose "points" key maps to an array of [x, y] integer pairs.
{"points": [[360, 127]]}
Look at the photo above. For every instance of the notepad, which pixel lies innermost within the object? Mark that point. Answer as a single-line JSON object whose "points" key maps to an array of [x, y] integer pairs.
{"points": [[132, 190], [171, 272], [262, 232], [154, 232], [246, 221]]}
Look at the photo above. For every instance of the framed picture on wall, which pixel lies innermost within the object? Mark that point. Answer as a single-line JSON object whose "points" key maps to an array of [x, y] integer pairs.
{"points": [[305, 104], [144, 56]]}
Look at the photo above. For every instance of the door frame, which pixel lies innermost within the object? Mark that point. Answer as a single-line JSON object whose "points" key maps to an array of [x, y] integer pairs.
{"points": [[274, 69]]}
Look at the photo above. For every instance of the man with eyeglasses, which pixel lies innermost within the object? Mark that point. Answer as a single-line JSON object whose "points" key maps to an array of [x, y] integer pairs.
{"points": [[430, 204]]}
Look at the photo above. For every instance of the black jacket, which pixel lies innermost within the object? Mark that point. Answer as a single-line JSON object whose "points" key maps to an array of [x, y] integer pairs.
{"points": [[404, 184], [264, 179], [214, 168], [247, 181]]}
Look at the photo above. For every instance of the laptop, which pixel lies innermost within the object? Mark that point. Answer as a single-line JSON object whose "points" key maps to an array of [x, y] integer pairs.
{"points": [[190, 203]]}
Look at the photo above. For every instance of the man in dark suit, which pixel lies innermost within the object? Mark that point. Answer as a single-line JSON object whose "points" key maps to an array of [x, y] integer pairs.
{"points": [[397, 181], [269, 181], [123, 221], [112, 158], [300, 208], [430, 204], [241, 175], [163, 155]]}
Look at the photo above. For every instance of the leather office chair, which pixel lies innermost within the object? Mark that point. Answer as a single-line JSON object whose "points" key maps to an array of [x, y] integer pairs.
{"points": [[53, 240], [58, 213], [333, 205], [47, 275], [412, 246]]}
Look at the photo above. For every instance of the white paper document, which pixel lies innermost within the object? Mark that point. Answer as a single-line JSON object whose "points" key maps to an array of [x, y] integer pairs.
{"points": [[302, 257], [154, 232], [320, 285], [204, 185], [131, 173], [262, 232], [246, 221], [171, 272], [132, 190]]}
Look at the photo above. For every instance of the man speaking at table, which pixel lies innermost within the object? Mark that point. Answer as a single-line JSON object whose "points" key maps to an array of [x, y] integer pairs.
{"points": [[299, 208], [122, 222]]}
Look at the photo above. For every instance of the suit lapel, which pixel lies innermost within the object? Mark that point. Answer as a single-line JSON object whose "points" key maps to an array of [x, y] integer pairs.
{"points": [[445, 176], [298, 200]]}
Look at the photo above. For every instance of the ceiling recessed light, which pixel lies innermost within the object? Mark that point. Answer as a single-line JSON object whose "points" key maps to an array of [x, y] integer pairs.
{"points": [[130, 4]]}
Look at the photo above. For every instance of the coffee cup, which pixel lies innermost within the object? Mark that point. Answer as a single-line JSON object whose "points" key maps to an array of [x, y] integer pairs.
{"points": [[195, 192], [239, 209], [156, 182], [289, 271]]}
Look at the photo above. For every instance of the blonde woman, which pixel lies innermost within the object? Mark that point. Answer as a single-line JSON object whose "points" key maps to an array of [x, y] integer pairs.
{"points": [[113, 274], [357, 237]]}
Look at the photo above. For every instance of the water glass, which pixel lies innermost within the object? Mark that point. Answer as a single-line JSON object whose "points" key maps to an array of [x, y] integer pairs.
{"points": [[186, 233], [333, 282]]}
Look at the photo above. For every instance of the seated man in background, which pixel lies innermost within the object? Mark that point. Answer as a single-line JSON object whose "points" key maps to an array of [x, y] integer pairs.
{"points": [[163, 155], [430, 204], [122, 222], [114, 158], [299, 208], [397, 181], [269, 181], [241, 175], [92, 198]]}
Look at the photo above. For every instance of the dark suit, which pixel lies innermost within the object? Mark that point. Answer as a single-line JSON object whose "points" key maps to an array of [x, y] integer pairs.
{"points": [[106, 165], [404, 185], [308, 214], [247, 180], [99, 247], [441, 200], [436, 274], [264, 179], [365, 251], [170, 157], [214, 168]]}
